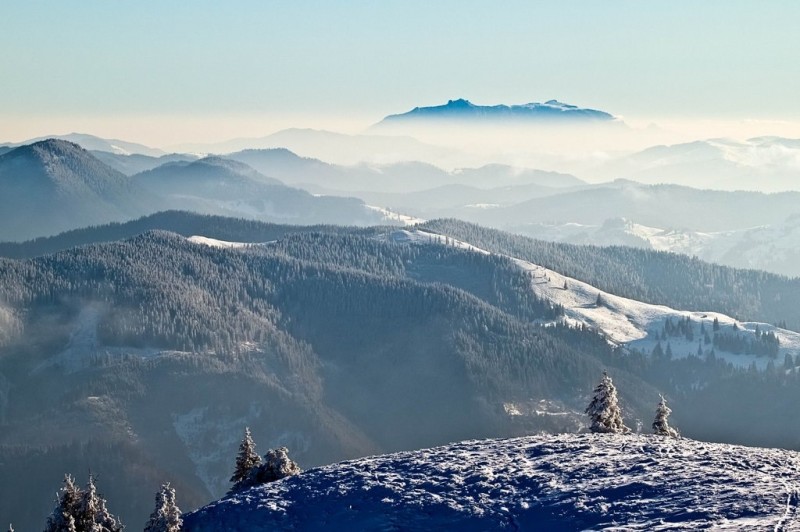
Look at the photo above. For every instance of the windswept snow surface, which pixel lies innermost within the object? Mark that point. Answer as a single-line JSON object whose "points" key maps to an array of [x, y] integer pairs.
{"points": [[564, 482], [627, 322]]}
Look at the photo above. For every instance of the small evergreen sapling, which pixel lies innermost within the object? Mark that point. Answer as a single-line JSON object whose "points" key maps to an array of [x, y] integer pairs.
{"points": [[660, 424], [604, 411], [167, 516], [247, 458]]}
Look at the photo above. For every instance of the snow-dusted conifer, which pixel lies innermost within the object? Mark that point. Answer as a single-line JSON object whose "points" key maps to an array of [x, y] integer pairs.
{"points": [[69, 500], [604, 411], [92, 514], [167, 516], [277, 465], [247, 458], [660, 424]]}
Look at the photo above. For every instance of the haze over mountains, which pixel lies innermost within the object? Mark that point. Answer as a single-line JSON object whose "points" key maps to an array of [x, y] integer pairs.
{"points": [[746, 229], [160, 332], [54, 185]]}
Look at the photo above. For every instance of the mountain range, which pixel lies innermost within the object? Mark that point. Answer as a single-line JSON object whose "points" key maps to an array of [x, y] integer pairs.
{"points": [[406, 177], [464, 110], [338, 148], [144, 358], [54, 185], [95, 143], [765, 164]]}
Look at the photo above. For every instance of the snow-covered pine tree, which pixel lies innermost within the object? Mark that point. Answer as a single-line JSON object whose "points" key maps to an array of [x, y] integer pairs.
{"points": [[167, 516], [69, 500], [604, 411], [660, 425], [247, 458], [92, 513], [277, 465]]}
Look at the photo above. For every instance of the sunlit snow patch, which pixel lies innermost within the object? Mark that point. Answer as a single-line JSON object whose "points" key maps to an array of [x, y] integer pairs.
{"points": [[391, 216], [214, 243]]}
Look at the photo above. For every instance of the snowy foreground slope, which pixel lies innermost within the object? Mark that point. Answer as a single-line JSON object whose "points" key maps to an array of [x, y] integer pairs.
{"points": [[564, 482]]}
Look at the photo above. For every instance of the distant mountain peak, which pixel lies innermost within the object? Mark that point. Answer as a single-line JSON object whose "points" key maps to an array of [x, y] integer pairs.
{"points": [[462, 109], [459, 103]]}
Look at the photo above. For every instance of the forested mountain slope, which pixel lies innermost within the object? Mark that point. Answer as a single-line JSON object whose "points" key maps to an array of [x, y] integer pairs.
{"points": [[156, 351], [147, 356], [661, 278], [54, 185], [651, 276]]}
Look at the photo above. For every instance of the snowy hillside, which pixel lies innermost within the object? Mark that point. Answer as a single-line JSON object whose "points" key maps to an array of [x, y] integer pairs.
{"points": [[638, 325], [565, 482], [774, 248]]}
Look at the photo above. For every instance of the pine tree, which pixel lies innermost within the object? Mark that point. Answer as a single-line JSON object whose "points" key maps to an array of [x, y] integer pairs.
{"points": [[92, 514], [660, 424], [62, 519], [81, 510], [277, 465], [247, 458], [167, 516], [604, 411]]}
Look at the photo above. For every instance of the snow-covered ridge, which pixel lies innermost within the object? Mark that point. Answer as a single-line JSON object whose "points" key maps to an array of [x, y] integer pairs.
{"points": [[392, 216], [564, 482], [623, 322], [630, 323], [214, 243]]}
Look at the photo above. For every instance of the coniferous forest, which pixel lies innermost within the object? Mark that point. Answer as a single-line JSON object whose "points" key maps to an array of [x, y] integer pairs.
{"points": [[140, 356]]}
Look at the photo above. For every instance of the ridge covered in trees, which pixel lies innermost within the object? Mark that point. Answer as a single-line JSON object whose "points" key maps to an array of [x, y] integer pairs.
{"points": [[329, 341]]}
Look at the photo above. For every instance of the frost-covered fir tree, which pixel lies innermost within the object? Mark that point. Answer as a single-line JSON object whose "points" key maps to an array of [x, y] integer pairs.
{"points": [[277, 465], [69, 500], [81, 510], [247, 458], [660, 424], [167, 516], [92, 514], [604, 412]]}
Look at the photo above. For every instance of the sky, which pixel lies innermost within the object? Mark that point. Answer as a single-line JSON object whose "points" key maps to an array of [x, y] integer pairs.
{"points": [[167, 71]]}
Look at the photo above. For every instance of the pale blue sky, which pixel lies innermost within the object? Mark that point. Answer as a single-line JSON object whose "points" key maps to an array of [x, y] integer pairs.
{"points": [[359, 59]]}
